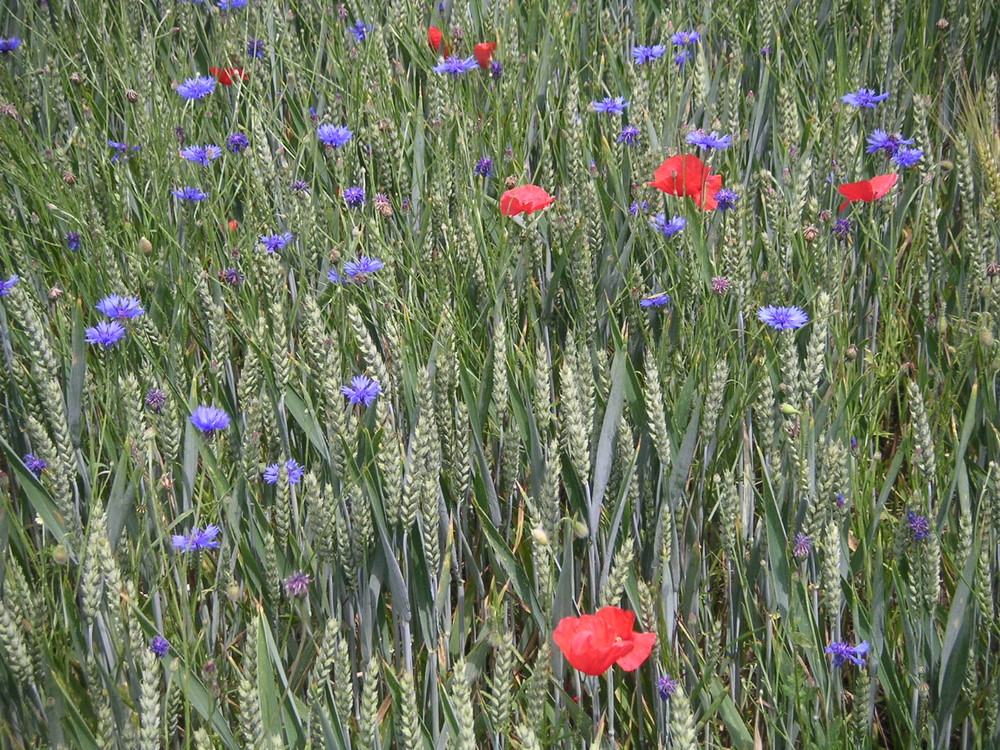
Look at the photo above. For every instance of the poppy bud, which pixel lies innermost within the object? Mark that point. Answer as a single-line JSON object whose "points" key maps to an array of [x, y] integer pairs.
{"points": [[132, 96], [60, 554], [852, 353], [789, 410], [580, 530], [145, 246]]}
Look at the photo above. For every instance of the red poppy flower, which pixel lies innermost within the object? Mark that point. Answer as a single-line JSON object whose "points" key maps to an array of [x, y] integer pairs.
{"points": [[592, 643], [484, 53], [226, 76], [436, 39], [688, 176], [867, 190], [524, 200], [233, 225]]}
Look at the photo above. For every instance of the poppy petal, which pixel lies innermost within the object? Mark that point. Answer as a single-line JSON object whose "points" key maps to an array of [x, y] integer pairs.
{"points": [[882, 184], [525, 199], [642, 647], [680, 175], [620, 621], [435, 38], [705, 198], [484, 53]]}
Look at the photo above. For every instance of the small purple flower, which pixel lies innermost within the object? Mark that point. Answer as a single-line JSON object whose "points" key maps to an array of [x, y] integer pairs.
{"points": [[122, 150], [8, 45], [656, 300], [360, 31], [7, 284], [636, 207], [907, 157], [293, 470], [203, 155], [843, 651], [611, 105], [297, 584], [354, 196], [237, 143], [73, 241], [669, 228], [35, 465], [496, 70], [684, 38], [720, 285], [783, 318], [190, 194], [159, 646], [362, 390], [196, 88], [106, 333], [879, 140], [701, 139], [274, 242], [803, 546], [864, 98], [155, 399], [682, 57], [255, 48], [198, 539], [231, 276], [120, 308], [208, 419], [841, 228], [644, 55], [726, 199], [362, 266], [629, 135], [455, 66], [299, 186], [666, 687], [333, 136], [919, 527], [484, 167]]}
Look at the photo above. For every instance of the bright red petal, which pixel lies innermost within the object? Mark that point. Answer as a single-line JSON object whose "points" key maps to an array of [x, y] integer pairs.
{"points": [[484, 53], [525, 199], [705, 198], [589, 644], [620, 621], [642, 646], [434, 38], [679, 175], [882, 184]]}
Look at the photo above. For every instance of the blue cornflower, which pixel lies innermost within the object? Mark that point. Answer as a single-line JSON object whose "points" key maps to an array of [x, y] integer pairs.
{"points": [[208, 419], [841, 228], [907, 157], [802, 547], [613, 106], [484, 167], [726, 199], [362, 390], [666, 687], [120, 308], [629, 135], [293, 468], [274, 242], [496, 70], [203, 155], [105, 333], [783, 318], [122, 150], [159, 646], [34, 464], [231, 4], [360, 31], [684, 38], [255, 48], [682, 57], [842, 651], [455, 66], [701, 139], [864, 98], [645, 55], [73, 241], [196, 88], [9, 45], [333, 135], [354, 196], [655, 300], [155, 399], [297, 584], [879, 140], [668, 228], [919, 527], [634, 209], [7, 284], [190, 194], [237, 143], [198, 539], [362, 266]]}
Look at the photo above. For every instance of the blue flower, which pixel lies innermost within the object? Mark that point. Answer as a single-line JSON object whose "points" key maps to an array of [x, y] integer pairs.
{"points": [[655, 300], [9, 45], [198, 539], [701, 139], [333, 135], [803, 546], [120, 308], [237, 143], [297, 584], [634, 209], [231, 4], [682, 57], [190, 194], [726, 199], [196, 88], [8, 284], [496, 70], [455, 66], [864, 98], [919, 527], [360, 31], [484, 167], [73, 241], [362, 390], [105, 333], [629, 135], [907, 157], [879, 140], [35, 465], [613, 106], [783, 318], [842, 651], [841, 228], [203, 155], [122, 150], [274, 242], [354, 196], [684, 38], [645, 55], [159, 646], [669, 228], [293, 469], [208, 419], [255, 48], [362, 266], [666, 687]]}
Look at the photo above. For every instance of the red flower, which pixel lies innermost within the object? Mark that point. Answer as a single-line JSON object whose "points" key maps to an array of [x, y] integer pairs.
{"points": [[484, 53], [867, 190], [524, 200], [592, 643], [436, 39], [226, 76], [688, 176]]}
